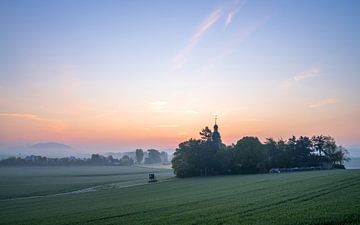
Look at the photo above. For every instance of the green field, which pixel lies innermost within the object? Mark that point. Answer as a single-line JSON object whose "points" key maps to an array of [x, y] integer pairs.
{"points": [[121, 196], [38, 181]]}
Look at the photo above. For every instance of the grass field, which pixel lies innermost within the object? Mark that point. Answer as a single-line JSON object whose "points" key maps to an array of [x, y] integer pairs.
{"points": [[319, 197], [38, 181]]}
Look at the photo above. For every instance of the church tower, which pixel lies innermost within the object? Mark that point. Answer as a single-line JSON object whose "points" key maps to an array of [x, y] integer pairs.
{"points": [[216, 138]]}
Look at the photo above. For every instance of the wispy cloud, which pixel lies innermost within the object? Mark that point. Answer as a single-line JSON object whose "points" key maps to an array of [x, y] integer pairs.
{"points": [[325, 102], [22, 116], [313, 72], [158, 106], [307, 74], [233, 11], [181, 58], [54, 125], [242, 34]]}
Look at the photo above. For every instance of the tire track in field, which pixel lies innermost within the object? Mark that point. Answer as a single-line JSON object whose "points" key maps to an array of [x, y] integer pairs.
{"points": [[263, 207], [301, 198], [306, 196], [105, 186], [228, 192]]}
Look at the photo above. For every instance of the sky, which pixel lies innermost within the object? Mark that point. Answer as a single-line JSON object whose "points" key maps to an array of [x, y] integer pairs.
{"points": [[119, 75]]}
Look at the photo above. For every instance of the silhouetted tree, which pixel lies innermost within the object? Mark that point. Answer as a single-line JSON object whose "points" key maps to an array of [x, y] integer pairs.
{"points": [[186, 160], [139, 155], [318, 143], [226, 163], [126, 161], [302, 151], [340, 155], [250, 155], [164, 156], [205, 134], [274, 154], [153, 157]]}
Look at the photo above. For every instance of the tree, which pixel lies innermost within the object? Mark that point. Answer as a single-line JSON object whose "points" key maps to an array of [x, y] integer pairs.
{"points": [[126, 161], [250, 155], [186, 160], [226, 160], [205, 134], [139, 155], [98, 159], [303, 151], [318, 143], [341, 155], [300, 152], [153, 157], [208, 161], [197, 157], [333, 153], [274, 153], [164, 156]]}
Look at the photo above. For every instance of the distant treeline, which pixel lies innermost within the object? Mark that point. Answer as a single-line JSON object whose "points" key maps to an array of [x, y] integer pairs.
{"points": [[200, 157], [154, 156], [95, 159]]}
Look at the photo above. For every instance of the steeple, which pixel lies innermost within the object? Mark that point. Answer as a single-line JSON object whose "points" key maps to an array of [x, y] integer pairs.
{"points": [[216, 139], [216, 126]]}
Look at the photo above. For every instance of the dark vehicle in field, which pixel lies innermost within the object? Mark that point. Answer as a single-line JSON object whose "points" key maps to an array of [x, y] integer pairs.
{"points": [[152, 178]]}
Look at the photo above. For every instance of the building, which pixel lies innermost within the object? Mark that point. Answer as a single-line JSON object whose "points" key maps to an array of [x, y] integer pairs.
{"points": [[216, 138]]}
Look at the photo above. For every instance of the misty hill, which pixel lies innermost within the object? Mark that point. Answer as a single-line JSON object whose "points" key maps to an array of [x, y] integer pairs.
{"points": [[50, 149]]}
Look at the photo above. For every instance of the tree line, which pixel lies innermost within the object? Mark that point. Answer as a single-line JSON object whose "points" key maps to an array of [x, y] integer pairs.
{"points": [[152, 156], [199, 157], [96, 159]]}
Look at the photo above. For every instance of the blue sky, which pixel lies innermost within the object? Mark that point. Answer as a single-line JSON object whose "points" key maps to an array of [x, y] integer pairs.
{"points": [[166, 67]]}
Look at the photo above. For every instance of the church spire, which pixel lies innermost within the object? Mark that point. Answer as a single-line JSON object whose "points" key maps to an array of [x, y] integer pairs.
{"points": [[216, 139], [216, 126]]}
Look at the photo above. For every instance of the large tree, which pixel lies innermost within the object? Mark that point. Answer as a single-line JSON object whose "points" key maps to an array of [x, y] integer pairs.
{"points": [[164, 156], [250, 155], [276, 153], [186, 161], [153, 156], [139, 155]]}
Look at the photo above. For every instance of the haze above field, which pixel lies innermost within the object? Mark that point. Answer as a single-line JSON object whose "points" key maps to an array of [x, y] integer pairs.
{"points": [[119, 75]]}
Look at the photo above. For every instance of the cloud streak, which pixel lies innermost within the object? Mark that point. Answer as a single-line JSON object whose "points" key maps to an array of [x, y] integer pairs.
{"points": [[313, 72], [22, 116], [308, 74], [53, 125], [181, 58], [233, 11], [325, 102]]}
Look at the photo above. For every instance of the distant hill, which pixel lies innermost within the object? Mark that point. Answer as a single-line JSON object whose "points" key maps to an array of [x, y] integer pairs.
{"points": [[51, 149]]}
